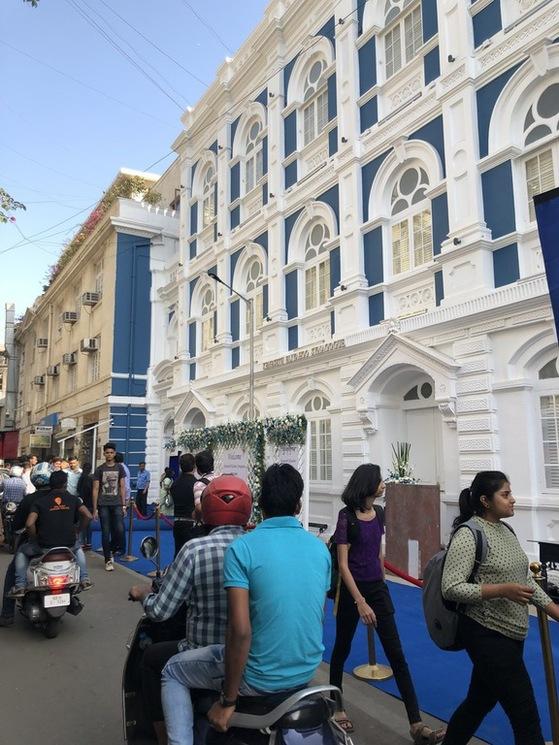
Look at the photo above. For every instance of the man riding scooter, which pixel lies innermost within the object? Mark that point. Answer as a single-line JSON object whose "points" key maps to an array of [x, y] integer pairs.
{"points": [[196, 578], [52, 523]]}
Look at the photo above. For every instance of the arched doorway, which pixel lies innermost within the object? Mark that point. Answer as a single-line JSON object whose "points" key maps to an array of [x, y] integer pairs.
{"points": [[195, 419]]}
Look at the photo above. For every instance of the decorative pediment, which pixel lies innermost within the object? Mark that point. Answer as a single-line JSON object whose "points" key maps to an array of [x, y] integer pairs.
{"points": [[397, 351], [193, 400]]}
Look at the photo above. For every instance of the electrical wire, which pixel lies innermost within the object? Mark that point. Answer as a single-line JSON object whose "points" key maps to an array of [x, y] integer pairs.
{"points": [[91, 22], [153, 44], [49, 168], [86, 85], [207, 25], [134, 51]]}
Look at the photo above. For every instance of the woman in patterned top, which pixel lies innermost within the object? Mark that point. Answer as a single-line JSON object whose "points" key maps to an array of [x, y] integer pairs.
{"points": [[364, 595], [494, 623]]}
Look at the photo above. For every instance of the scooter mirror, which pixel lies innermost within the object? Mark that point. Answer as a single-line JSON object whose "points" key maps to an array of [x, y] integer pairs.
{"points": [[149, 547]]}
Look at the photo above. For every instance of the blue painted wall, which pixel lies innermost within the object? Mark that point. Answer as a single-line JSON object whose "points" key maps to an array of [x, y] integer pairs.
{"points": [[335, 269], [329, 30], [235, 357], [194, 218], [292, 337], [265, 155], [431, 65], [192, 339], [498, 200], [289, 224], [287, 70], [262, 240], [505, 265], [291, 299], [372, 256], [128, 432], [367, 66], [132, 312], [332, 199], [332, 102], [192, 371], [333, 141], [439, 287], [439, 214], [235, 329], [264, 300], [191, 286], [233, 130], [235, 181], [368, 173], [376, 309], [233, 259], [263, 98], [192, 249], [433, 133], [368, 114], [235, 217], [290, 133], [291, 174], [487, 22], [429, 18], [486, 100]]}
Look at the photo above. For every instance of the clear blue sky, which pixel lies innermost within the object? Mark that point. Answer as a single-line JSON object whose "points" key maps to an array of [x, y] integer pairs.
{"points": [[61, 143]]}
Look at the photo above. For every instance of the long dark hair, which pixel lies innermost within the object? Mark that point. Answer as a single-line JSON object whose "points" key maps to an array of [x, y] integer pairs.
{"points": [[485, 484], [364, 482]]}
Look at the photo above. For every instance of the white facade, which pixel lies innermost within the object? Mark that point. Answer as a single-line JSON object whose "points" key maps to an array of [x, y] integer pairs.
{"points": [[368, 185]]}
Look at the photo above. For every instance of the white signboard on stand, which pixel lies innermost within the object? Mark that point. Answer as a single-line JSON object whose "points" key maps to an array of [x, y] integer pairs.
{"points": [[235, 462]]}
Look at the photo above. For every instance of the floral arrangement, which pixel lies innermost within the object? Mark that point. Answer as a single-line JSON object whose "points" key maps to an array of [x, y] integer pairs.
{"points": [[402, 471], [124, 186], [252, 436]]}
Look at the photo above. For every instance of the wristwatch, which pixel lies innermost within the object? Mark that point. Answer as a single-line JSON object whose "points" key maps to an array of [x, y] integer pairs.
{"points": [[226, 702]]}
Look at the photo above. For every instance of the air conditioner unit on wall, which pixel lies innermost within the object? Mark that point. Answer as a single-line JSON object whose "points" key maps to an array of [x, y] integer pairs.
{"points": [[89, 345], [42, 343], [90, 298], [53, 370], [39, 380], [69, 358], [69, 316]]}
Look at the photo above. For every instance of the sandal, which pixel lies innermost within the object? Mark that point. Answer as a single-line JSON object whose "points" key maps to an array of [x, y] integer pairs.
{"points": [[424, 735], [345, 724]]}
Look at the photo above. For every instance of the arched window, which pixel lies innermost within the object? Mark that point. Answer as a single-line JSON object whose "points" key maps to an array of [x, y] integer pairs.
{"points": [[208, 196], [244, 413], [542, 122], [315, 101], [317, 266], [254, 290], [549, 418], [412, 239], [320, 430], [254, 163], [403, 34], [208, 319]]}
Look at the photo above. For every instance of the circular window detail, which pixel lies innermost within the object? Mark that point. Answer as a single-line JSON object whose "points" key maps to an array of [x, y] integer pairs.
{"points": [[426, 390]]}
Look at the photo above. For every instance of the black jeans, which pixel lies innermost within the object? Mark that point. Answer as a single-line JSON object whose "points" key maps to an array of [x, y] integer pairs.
{"points": [[184, 531], [112, 529], [499, 676], [378, 597], [154, 659], [141, 501], [9, 604]]}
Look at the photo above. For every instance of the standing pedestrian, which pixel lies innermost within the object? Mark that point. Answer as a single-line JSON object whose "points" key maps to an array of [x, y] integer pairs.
{"points": [[182, 493], [142, 487], [205, 466], [85, 492], [26, 475], [364, 594], [494, 621], [109, 502], [165, 499], [14, 487], [74, 472]]}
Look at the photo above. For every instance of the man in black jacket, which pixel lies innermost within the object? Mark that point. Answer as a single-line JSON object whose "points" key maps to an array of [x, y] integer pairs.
{"points": [[182, 492]]}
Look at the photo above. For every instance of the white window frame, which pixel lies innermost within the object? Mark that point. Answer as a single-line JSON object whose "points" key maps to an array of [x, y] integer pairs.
{"points": [[409, 218], [254, 289], [207, 321], [254, 158], [528, 202], [98, 272], [94, 363], [404, 34], [314, 110], [320, 434], [207, 199], [317, 270]]}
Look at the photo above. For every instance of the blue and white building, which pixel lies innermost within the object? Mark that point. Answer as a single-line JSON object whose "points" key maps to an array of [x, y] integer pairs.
{"points": [[365, 172]]}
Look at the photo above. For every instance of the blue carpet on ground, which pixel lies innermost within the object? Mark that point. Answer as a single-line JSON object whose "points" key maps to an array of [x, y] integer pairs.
{"points": [[441, 678]]}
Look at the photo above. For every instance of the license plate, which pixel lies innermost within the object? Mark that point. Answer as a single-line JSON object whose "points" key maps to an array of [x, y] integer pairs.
{"points": [[55, 601]]}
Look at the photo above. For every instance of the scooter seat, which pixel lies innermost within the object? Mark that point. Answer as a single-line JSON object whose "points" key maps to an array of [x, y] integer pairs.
{"points": [[308, 714]]}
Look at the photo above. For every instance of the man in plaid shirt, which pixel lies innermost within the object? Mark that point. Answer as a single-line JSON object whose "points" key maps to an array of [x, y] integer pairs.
{"points": [[195, 578]]}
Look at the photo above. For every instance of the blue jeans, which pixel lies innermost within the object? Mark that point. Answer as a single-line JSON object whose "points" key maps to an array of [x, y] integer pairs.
{"points": [[112, 528], [195, 668], [28, 550], [85, 535]]}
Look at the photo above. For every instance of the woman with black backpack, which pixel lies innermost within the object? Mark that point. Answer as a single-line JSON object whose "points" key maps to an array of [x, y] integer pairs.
{"points": [[364, 594], [493, 621]]}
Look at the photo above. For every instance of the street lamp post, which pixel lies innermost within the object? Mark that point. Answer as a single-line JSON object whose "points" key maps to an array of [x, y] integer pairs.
{"points": [[250, 307]]}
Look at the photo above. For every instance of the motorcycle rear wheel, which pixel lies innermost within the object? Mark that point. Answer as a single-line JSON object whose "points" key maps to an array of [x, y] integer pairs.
{"points": [[51, 628]]}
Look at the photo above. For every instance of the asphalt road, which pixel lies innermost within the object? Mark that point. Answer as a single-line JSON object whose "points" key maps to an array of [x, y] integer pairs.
{"points": [[66, 691]]}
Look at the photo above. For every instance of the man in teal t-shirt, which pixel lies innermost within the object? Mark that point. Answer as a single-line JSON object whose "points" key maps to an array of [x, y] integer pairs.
{"points": [[276, 578]]}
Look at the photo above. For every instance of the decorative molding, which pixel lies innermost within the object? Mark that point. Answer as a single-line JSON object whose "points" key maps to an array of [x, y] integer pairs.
{"points": [[448, 412]]}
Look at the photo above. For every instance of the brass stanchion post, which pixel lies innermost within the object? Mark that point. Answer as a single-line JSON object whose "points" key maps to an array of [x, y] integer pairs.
{"points": [[372, 671], [129, 556], [551, 684]]}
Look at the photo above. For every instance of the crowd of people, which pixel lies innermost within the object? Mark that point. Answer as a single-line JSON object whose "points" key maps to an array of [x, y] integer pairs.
{"points": [[226, 585]]}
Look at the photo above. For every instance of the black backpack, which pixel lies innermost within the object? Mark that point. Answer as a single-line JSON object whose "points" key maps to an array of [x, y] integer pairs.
{"points": [[353, 532]]}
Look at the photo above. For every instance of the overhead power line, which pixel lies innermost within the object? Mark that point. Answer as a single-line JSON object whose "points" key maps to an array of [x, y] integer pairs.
{"points": [[85, 85], [207, 25], [121, 51]]}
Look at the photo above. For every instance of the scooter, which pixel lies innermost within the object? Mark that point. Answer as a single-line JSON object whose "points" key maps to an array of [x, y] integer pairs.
{"points": [[53, 585], [289, 718], [8, 512]]}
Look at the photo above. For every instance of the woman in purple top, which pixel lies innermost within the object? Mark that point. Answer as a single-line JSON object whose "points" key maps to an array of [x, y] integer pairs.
{"points": [[364, 594]]}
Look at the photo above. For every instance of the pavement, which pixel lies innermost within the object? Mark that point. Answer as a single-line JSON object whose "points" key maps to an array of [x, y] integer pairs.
{"points": [[67, 691]]}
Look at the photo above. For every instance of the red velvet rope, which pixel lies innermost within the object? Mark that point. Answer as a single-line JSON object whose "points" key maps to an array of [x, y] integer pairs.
{"points": [[166, 519], [139, 514], [403, 575], [151, 517]]}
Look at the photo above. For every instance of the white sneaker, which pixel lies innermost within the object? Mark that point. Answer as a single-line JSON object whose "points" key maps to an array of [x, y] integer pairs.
{"points": [[109, 566]]}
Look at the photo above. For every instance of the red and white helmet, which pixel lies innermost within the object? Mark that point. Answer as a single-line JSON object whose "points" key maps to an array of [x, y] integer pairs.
{"points": [[226, 500]]}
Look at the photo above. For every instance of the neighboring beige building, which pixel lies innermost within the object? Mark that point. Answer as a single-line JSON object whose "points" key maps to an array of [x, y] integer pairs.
{"points": [[84, 344]]}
